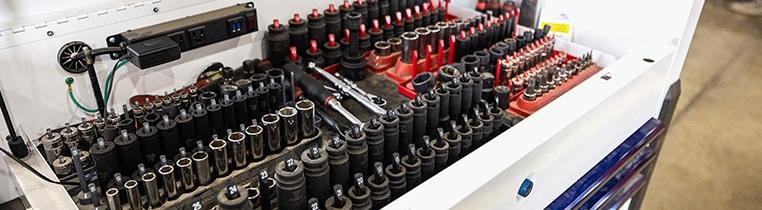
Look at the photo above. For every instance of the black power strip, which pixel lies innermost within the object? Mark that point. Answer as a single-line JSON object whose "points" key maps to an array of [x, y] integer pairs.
{"points": [[195, 31]]}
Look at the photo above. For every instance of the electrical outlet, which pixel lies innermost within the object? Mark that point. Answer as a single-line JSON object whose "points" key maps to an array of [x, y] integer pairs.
{"points": [[197, 36], [181, 38]]}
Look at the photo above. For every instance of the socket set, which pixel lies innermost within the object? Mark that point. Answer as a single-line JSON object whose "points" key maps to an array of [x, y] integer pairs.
{"points": [[269, 134]]}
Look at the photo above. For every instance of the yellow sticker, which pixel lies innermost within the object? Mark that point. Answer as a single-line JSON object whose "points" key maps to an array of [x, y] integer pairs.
{"points": [[557, 27]]}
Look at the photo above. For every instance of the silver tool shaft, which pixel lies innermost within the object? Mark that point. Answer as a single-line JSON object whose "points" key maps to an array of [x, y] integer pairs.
{"points": [[348, 90]]}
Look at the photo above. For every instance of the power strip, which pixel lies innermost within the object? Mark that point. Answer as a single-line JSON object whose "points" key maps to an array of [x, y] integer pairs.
{"points": [[195, 31]]}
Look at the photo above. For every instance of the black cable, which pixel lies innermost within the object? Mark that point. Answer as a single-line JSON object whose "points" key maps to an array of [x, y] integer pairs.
{"points": [[113, 77], [35, 171], [7, 117]]}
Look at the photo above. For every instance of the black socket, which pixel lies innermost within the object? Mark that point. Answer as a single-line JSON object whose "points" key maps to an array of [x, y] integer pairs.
{"points": [[128, 149], [520, 42], [455, 89], [476, 41], [397, 181], [264, 99], [187, 130], [228, 114], [425, 18], [359, 194], [466, 134], [405, 126], [332, 23], [413, 167], [374, 132], [170, 137], [373, 12], [484, 60], [391, 135], [298, 34], [317, 27], [362, 8], [389, 31], [419, 119], [276, 96], [106, 162], [338, 161], [332, 54], [483, 37], [428, 168], [444, 104], [379, 188], [353, 63], [467, 93], [376, 35], [214, 112], [276, 44], [290, 187], [462, 47], [384, 8], [150, 144], [432, 111], [394, 6], [316, 173], [343, 14], [201, 123], [529, 36], [399, 27], [357, 150], [315, 57], [252, 104], [365, 43], [478, 86], [110, 132]]}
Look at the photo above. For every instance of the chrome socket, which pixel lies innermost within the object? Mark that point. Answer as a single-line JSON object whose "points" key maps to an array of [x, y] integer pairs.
{"points": [[51, 142], [423, 40], [87, 133], [133, 194], [396, 44], [306, 110], [152, 190], [170, 183], [202, 167], [271, 124], [434, 37], [112, 198], [238, 147], [187, 177], [62, 165], [290, 131], [255, 141], [409, 43], [70, 136], [220, 154], [382, 48]]}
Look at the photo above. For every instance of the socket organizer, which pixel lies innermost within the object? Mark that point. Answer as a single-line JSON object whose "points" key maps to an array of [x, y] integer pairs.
{"points": [[521, 106]]}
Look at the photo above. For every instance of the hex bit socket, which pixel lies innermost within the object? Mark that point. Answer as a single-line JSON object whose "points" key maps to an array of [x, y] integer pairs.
{"points": [[357, 150], [412, 167], [316, 172], [291, 188], [338, 161]]}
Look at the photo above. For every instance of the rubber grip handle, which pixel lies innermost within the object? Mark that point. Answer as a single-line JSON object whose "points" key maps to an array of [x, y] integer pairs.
{"points": [[309, 85]]}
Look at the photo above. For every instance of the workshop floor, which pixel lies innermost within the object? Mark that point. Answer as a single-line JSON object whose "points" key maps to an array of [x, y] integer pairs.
{"points": [[711, 157]]}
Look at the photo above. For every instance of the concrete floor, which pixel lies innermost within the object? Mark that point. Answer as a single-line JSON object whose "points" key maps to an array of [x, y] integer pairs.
{"points": [[711, 156]]}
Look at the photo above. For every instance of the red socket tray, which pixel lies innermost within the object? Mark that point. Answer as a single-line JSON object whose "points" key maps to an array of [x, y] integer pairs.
{"points": [[524, 108]]}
